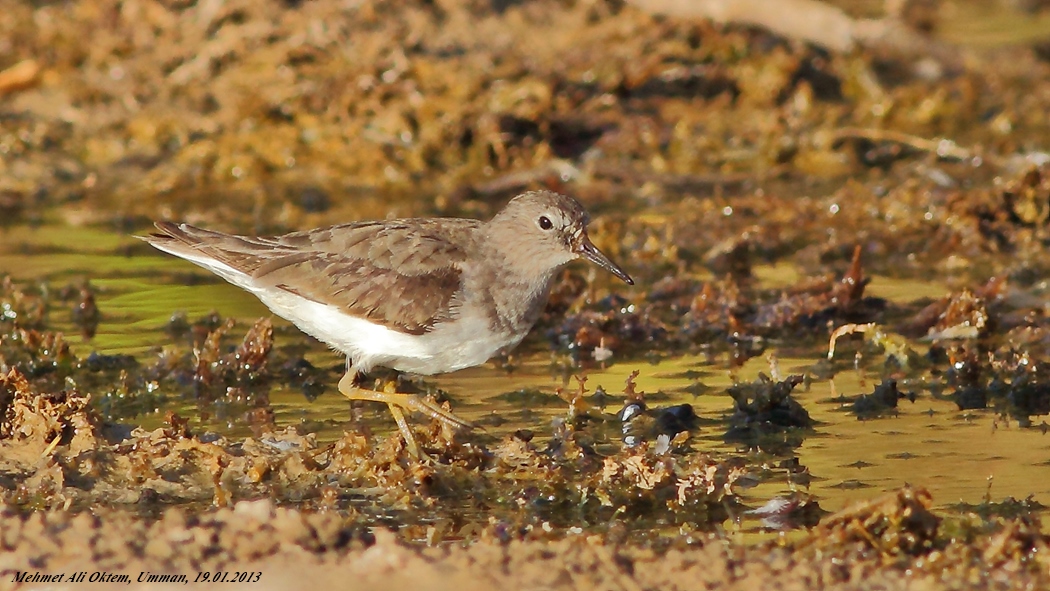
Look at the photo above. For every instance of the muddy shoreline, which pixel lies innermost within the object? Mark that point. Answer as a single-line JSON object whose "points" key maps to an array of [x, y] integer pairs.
{"points": [[758, 181], [890, 543]]}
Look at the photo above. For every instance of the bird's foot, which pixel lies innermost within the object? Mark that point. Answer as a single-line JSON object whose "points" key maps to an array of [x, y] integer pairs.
{"points": [[398, 402]]}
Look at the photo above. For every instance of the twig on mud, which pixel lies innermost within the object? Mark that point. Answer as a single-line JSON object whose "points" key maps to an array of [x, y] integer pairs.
{"points": [[51, 446], [807, 20], [701, 184], [813, 22], [774, 366], [892, 344], [845, 330], [562, 171], [943, 148], [22, 75]]}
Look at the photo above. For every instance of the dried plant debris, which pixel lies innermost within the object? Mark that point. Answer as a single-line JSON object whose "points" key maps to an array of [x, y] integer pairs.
{"points": [[1018, 384], [87, 460], [817, 304], [717, 315], [20, 308], [966, 314], [1008, 379], [789, 512], [1009, 508], [883, 400], [663, 427], [58, 453], [766, 408], [85, 312], [899, 353], [640, 423], [42, 422], [902, 528], [901, 523], [208, 360], [244, 365], [716, 308], [613, 324], [1024, 202]]}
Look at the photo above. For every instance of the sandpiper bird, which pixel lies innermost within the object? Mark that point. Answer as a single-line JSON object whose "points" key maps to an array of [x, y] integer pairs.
{"points": [[419, 295]]}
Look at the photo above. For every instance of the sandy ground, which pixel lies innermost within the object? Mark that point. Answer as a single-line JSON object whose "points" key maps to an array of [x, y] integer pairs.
{"points": [[889, 543], [298, 113]]}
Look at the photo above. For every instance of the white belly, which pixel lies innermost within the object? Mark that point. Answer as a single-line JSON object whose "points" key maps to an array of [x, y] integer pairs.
{"points": [[467, 342], [450, 346]]}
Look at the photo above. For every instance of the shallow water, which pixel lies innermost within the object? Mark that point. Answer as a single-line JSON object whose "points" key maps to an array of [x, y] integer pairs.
{"points": [[961, 456]]}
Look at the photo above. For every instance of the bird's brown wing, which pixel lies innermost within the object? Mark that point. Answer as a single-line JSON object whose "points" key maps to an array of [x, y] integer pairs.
{"points": [[401, 274]]}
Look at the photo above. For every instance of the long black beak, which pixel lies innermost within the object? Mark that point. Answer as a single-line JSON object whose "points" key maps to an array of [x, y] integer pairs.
{"points": [[589, 251]]}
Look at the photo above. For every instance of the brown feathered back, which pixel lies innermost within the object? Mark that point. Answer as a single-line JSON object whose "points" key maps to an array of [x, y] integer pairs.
{"points": [[360, 268]]}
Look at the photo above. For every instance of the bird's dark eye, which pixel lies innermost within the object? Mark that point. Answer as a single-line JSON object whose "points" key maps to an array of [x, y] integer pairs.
{"points": [[545, 223]]}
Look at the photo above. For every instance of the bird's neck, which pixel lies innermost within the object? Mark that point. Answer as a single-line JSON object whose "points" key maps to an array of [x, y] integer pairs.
{"points": [[517, 291]]}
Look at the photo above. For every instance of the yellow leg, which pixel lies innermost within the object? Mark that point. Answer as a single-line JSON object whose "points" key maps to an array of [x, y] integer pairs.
{"points": [[396, 402]]}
